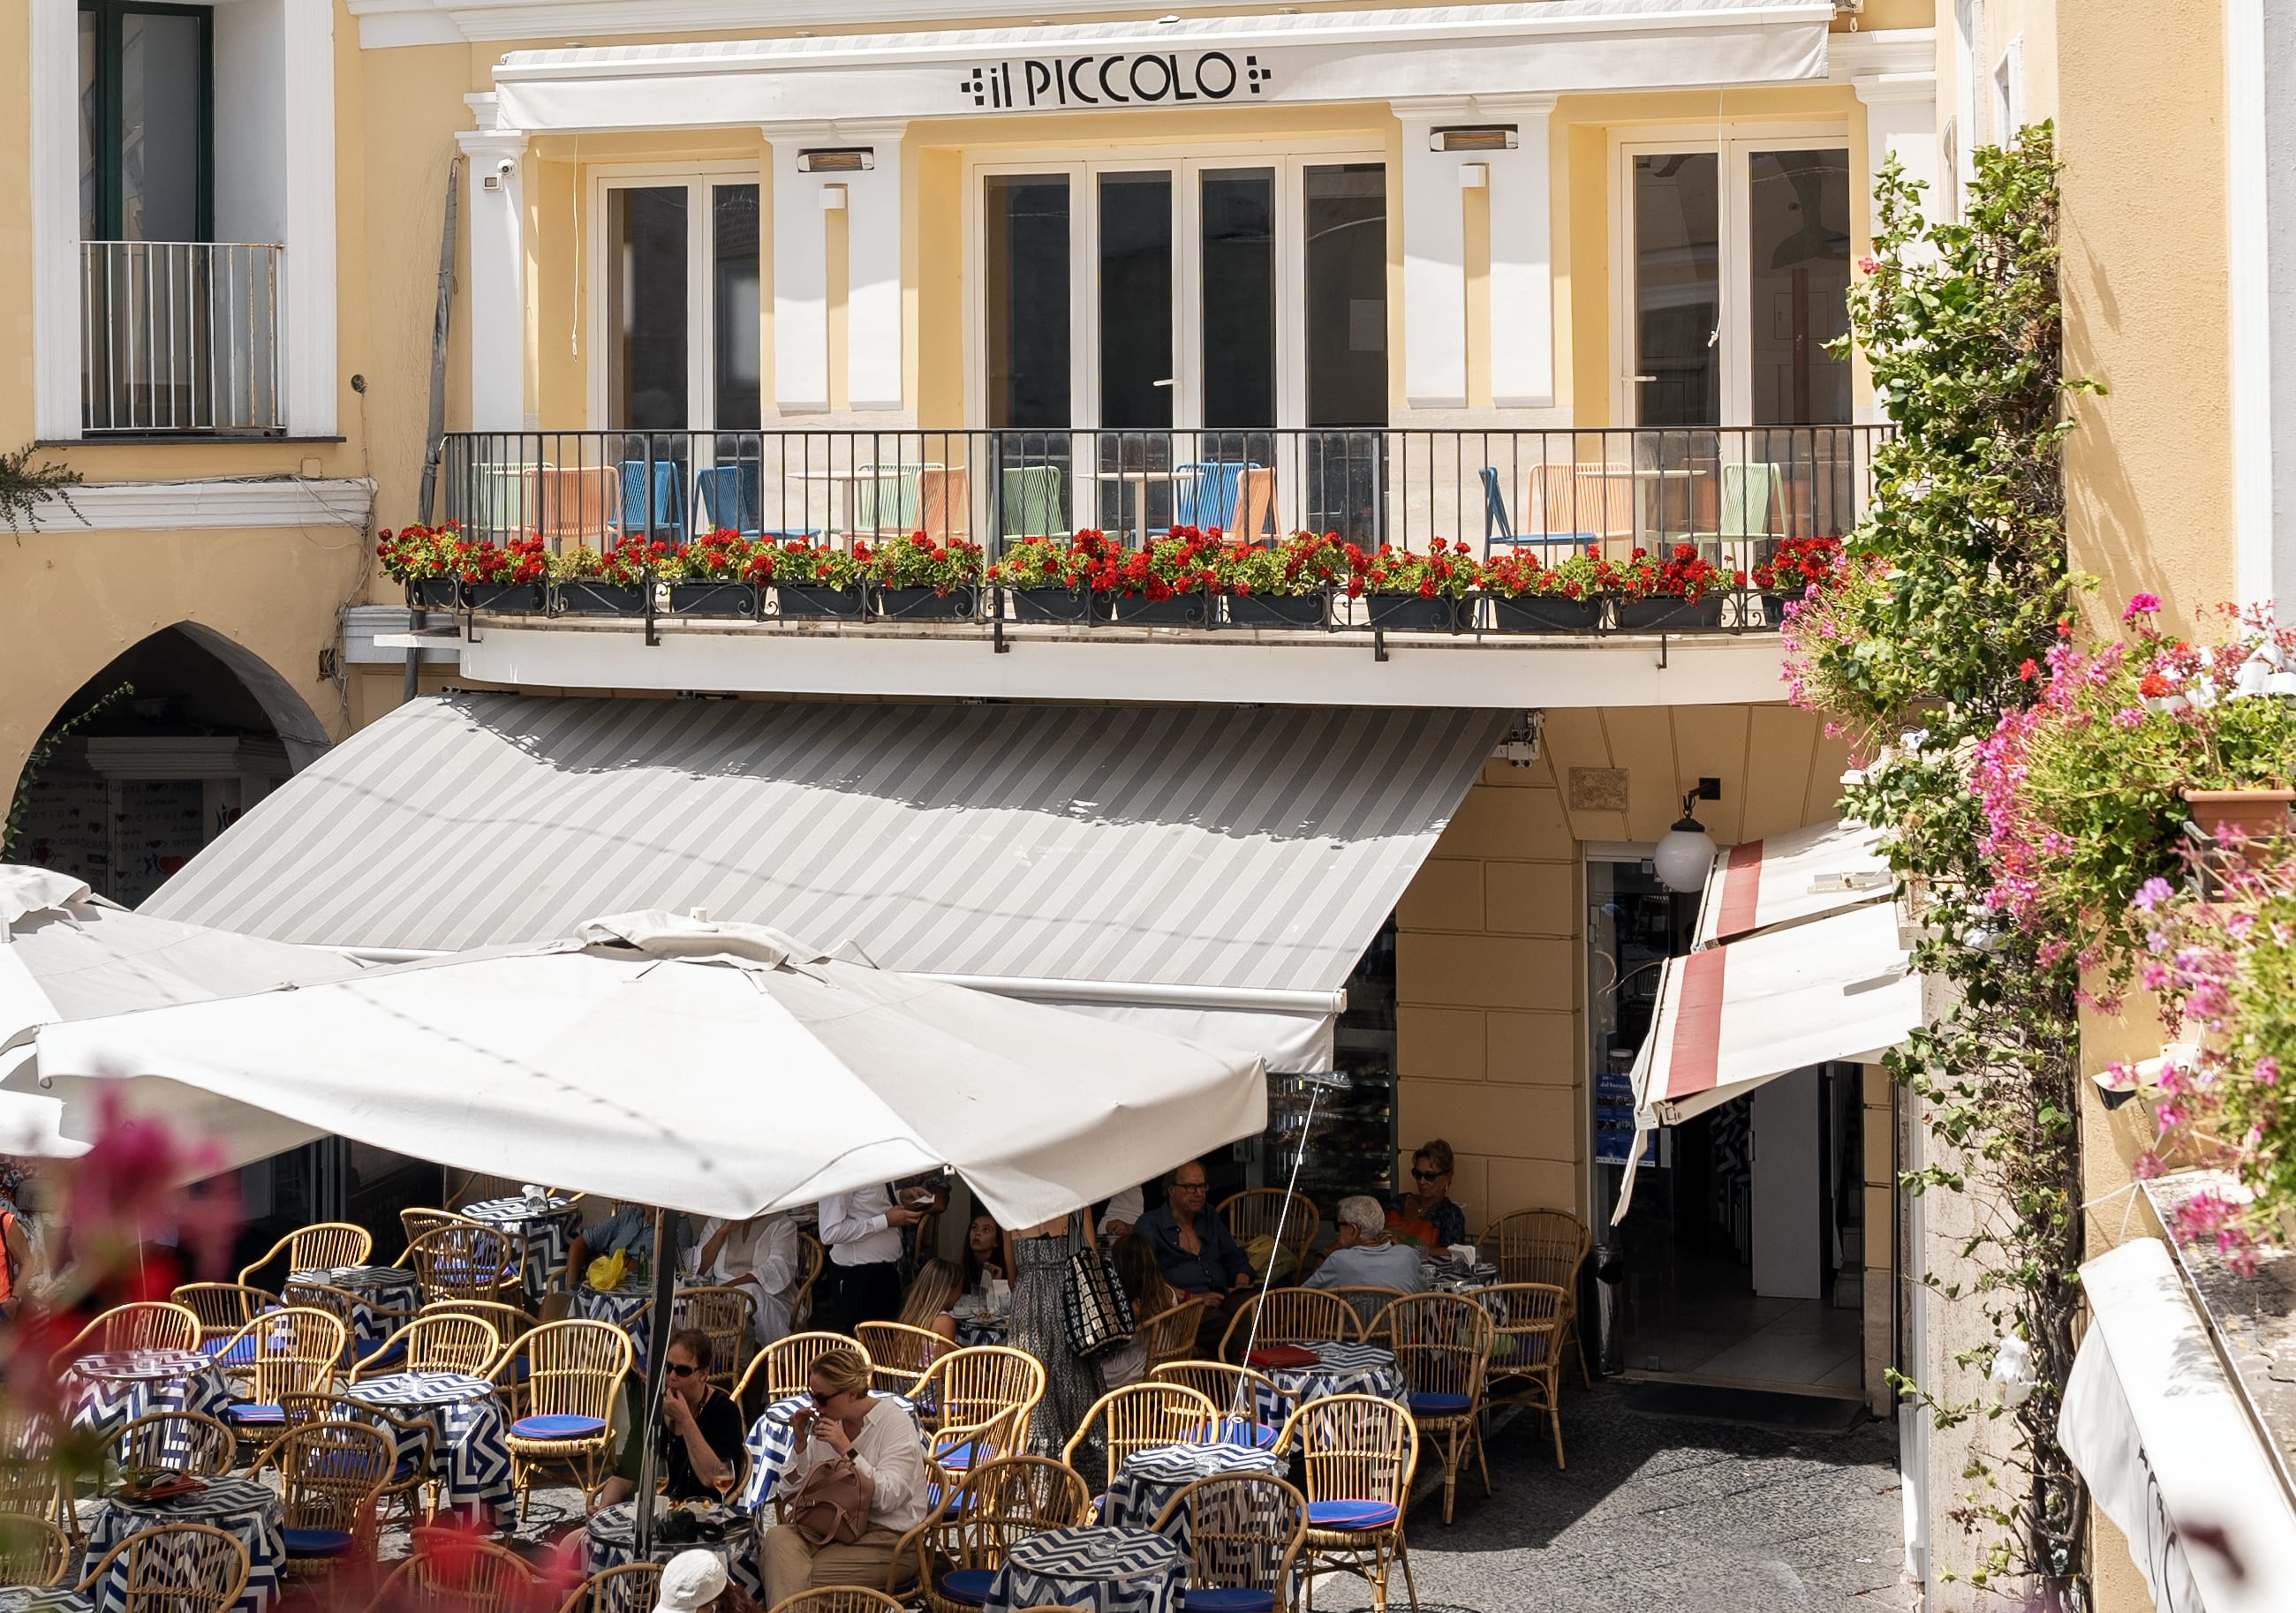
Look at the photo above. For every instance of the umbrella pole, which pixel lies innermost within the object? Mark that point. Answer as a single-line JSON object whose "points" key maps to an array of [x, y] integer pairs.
{"points": [[650, 1417]]}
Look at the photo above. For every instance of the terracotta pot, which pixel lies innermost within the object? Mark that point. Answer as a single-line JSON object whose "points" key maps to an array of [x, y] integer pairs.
{"points": [[2256, 814]]}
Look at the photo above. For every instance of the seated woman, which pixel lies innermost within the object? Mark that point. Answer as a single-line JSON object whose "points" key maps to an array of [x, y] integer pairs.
{"points": [[700, 1441], [933, 1291], [764, 1254], [889, 1455], [1134, 1259]]}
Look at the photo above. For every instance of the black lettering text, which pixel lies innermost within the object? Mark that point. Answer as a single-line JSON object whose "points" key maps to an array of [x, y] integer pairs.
{"points": [[1204, 86]]}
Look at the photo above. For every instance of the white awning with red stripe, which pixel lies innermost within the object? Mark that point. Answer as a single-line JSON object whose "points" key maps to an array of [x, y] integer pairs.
{"points": [[1791, 879]]}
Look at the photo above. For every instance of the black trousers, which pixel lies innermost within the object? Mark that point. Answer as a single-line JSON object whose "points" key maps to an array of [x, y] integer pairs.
{"points": [[866, 1293]]}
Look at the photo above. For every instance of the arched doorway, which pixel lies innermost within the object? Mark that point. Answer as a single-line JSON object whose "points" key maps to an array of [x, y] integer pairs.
{"points": [[155, 755]]}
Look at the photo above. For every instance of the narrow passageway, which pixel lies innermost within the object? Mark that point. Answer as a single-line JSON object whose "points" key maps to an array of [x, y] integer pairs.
{"points": [[1662, 1514]]}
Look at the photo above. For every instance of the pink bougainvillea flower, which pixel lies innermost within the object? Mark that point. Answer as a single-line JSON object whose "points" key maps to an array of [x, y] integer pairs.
{"points": [[2141, 604]]}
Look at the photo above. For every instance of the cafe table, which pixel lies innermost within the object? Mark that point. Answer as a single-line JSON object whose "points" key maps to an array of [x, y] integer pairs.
{"points": [[43, 1599], [105, 1392], [239, 1507], [1339, 1368], [549, 1228], [1104, 1569], [384, 1299], [611, 1539], [624, 1307], [1152, 1476], [470, 1450]]}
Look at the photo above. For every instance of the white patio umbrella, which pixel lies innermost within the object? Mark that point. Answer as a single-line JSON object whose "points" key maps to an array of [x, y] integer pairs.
{"points": [[67, 954], [724, 1069]]}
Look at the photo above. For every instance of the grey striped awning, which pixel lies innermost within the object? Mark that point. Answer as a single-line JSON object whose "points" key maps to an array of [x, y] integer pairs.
{"points": [[1219, 846]]}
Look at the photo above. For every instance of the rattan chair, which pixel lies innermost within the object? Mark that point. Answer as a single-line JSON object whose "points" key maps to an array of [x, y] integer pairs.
{"points": [[1546, 1246], [315, 1248], [1290, 1316], [345, 1307], [450, 1571], [1245, 1532], [1142, 1415], [631, 1588], [1356, 1455], [836, 1599], [509, 1323], [1367, 1303], [785, 1367], [801, 1300], [956, 1555], [187, 1442], [437, 1341], [1442, 1344], [900, 1354], [173, 1568], [34, 1551], [1239, 1394], [1170, 1335], [980, 1401], [223, 1308], [330, 1474], [572, 1370], [1526, 1364], [31, 1479], [1255, 1212], [724, 1312], [420, 1222], [148, 1325], [468, 1261], [415, 1444], [291, 1351]]}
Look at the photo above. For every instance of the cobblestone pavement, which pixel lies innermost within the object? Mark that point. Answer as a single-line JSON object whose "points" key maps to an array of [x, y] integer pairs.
{"points": [[1660, 1516]]}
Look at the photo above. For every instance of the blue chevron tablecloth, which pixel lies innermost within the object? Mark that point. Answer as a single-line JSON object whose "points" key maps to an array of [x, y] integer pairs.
{"points": [[105, 1392], [1341, 1369], [383, 1298], [33, 1599], [611, 1539], [1108, 1570], [625, 1308], [1141, 1491], [549, 1233], [470, 1455], [239, 1507]]}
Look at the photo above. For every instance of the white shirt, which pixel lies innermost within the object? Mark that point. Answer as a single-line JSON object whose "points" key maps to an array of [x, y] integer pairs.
{"points": [[854, 1227], [767, 1261], [890, 1450], [1123, 1209]]}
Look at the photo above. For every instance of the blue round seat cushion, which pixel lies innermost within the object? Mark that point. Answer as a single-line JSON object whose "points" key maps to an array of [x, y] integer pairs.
{"points": [[1350, 1514], [557, 1425], [315, 1543], [968, 1585]]}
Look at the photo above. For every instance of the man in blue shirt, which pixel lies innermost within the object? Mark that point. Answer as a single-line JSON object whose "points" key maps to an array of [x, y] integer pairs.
{"points": [[1365, 1257], [1192, 1244], [629, 1229]]}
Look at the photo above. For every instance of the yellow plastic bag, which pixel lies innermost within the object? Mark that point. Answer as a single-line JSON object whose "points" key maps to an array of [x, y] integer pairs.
{"points": [[1261, 1249], [605, 1273]]}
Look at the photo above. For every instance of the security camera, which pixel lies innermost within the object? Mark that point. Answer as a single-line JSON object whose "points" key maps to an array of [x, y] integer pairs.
{"points": [[506, 167]]}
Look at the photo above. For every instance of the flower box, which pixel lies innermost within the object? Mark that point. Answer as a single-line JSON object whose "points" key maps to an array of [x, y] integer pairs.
{"points": [[1192, 610], [714, 597], [960, 603], [522, 598], [434, 593], [1541, 613], [1670, 613], [1049, 604], [1276, 610], [820, 602], [1411, 612], [1774, 608], [594, 596]]}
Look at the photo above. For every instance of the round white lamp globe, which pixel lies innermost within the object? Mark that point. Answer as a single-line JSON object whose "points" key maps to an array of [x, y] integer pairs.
{"points": [[1685, 856]]}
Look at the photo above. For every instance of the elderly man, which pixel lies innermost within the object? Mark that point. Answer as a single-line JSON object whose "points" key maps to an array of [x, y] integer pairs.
{"points": [[1365, 1256], [1192, 1244]]}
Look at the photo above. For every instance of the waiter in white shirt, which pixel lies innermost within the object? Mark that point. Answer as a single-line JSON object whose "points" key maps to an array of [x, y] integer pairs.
{"points": [[862, 1232]]}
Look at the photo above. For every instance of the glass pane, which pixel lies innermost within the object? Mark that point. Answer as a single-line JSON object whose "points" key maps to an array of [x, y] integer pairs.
{"points": [[1136, 300], [1239, 269], [1798, 228], [1347, 294], [159, 128], [1677, 289], [1025, 222], [734, 323], [645, 292], [91, 201]]}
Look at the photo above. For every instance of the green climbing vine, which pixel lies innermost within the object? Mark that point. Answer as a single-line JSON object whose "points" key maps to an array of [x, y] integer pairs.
{"points": [[25, 486], [36, 763]]}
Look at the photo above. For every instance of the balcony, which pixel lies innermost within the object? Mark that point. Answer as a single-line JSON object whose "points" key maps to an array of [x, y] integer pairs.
{"points": [[1733, 493], [180, 337]]}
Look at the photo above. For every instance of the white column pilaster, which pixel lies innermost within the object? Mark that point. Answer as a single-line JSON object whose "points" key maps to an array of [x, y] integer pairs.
{"points": [[1523, 255], [801, 273], [873, 257], [52, 185], [308, 343], [1434, 258], [494, 211], [1900, 122]]}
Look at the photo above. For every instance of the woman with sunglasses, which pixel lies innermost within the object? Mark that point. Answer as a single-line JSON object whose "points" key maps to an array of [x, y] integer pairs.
{"points": [[888, 1455], [700, 1441], [1426, 1215]]}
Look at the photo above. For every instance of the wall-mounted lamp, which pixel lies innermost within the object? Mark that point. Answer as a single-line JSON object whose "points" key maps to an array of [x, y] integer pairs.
{"points": [[1686, 855], [1480, 137], [842, 160]]}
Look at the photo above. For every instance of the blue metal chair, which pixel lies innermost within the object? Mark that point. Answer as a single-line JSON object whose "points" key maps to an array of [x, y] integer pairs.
{"points": [[667, 512], [1204, 493], [1498, 529], [724, 497]]}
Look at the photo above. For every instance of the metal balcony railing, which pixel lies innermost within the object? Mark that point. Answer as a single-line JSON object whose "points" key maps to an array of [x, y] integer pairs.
{"points": [[180, 336], [1733, 491]]}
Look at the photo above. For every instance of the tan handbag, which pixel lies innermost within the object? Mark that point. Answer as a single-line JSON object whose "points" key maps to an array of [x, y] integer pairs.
{"points": [[829, 1506]]}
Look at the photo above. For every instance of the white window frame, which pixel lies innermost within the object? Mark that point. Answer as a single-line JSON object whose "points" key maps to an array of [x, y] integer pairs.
{"points": [[1735, 145], [1187, 165], [701, 309], [2009, 91]]}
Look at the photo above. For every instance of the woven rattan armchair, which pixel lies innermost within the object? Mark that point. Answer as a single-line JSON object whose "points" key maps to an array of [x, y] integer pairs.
{"points": [[450, 1571], [34, 1551], [315, 1248], [1170, 1335], [724, 1312], [188, 1442], [1142, 1415], [175, 1567], [467, 1261], [1245, 1532], [291, 1351], [1526, 1365], [1442, 1344], [1546, 1246], [957, 1554], [1290, 1316], [148, 1325], [223, 1308], [419, 1222], [415, 1444], [784, 1367], [1256, 1212], [330, 1474], [836, 1599], [980, 1400], [572, 1370], [1356, 1454], [437, 1341], [1239, 1395], [630, 1588], [900, 1354]]}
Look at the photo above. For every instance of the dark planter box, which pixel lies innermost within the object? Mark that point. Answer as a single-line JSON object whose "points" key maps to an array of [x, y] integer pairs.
{"points": [[434, 593], [711, 596], [1049, 604], [959, 604], [1275, 609], [1673, 615], [819, 602], [592, 596], [1774, 608], [1413, 612], [1138, 611], [1543, 613], [517, 598]]}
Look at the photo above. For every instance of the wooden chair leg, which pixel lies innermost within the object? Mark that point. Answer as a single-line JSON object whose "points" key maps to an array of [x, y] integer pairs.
{"points": [[1403, 1556]]}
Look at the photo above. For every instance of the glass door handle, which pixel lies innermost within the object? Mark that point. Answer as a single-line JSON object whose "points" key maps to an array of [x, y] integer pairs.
{"points": [[1164, 382], [1641, 378]]}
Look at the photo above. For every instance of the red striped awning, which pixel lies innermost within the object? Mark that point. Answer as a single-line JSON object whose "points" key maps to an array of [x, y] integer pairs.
{"points": [[1790, 878]]}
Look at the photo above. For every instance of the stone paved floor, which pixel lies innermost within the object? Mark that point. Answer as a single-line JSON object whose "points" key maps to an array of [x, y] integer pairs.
{"points": [[1661, 1516]]}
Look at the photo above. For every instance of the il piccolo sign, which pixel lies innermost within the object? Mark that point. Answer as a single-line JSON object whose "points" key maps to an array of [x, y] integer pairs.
{"points": [[1142, 79]]}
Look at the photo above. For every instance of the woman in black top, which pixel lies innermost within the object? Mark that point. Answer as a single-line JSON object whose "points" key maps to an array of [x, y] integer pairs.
{"points": [[699, 1442]]}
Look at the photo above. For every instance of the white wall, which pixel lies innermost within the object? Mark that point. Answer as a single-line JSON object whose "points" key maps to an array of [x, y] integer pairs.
{"points": [[251, 120]]}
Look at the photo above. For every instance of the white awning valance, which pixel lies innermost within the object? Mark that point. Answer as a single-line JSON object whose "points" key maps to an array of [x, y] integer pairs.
{"points": [[1546, 47], [1790, 878]]}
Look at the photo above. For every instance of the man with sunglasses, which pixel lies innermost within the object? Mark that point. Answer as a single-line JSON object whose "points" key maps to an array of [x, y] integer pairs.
{"points": [[700, 1442]]}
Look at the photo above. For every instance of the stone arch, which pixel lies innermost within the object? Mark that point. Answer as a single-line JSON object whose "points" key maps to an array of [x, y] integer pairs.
{"points": [[298, 727]]}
